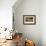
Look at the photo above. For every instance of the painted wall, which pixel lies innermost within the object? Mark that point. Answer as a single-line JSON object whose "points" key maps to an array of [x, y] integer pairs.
{"points": [[6, 18], [6, 13], [43, 22], [28, 7]]}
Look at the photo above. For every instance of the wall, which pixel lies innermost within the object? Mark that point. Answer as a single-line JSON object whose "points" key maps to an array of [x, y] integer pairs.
{"points": [[28, 7], [6, 13], [43, 22], [6, 18]]}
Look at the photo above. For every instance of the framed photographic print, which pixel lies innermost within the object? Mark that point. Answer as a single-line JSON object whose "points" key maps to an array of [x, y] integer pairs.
{"points": [[29, 19]]}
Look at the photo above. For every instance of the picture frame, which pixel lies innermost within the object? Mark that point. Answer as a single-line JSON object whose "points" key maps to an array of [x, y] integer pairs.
{"points": [[29, 19]]}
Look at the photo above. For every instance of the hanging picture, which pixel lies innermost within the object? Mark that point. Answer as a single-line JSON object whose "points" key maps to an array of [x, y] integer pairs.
{"points": [[29, 19]]}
